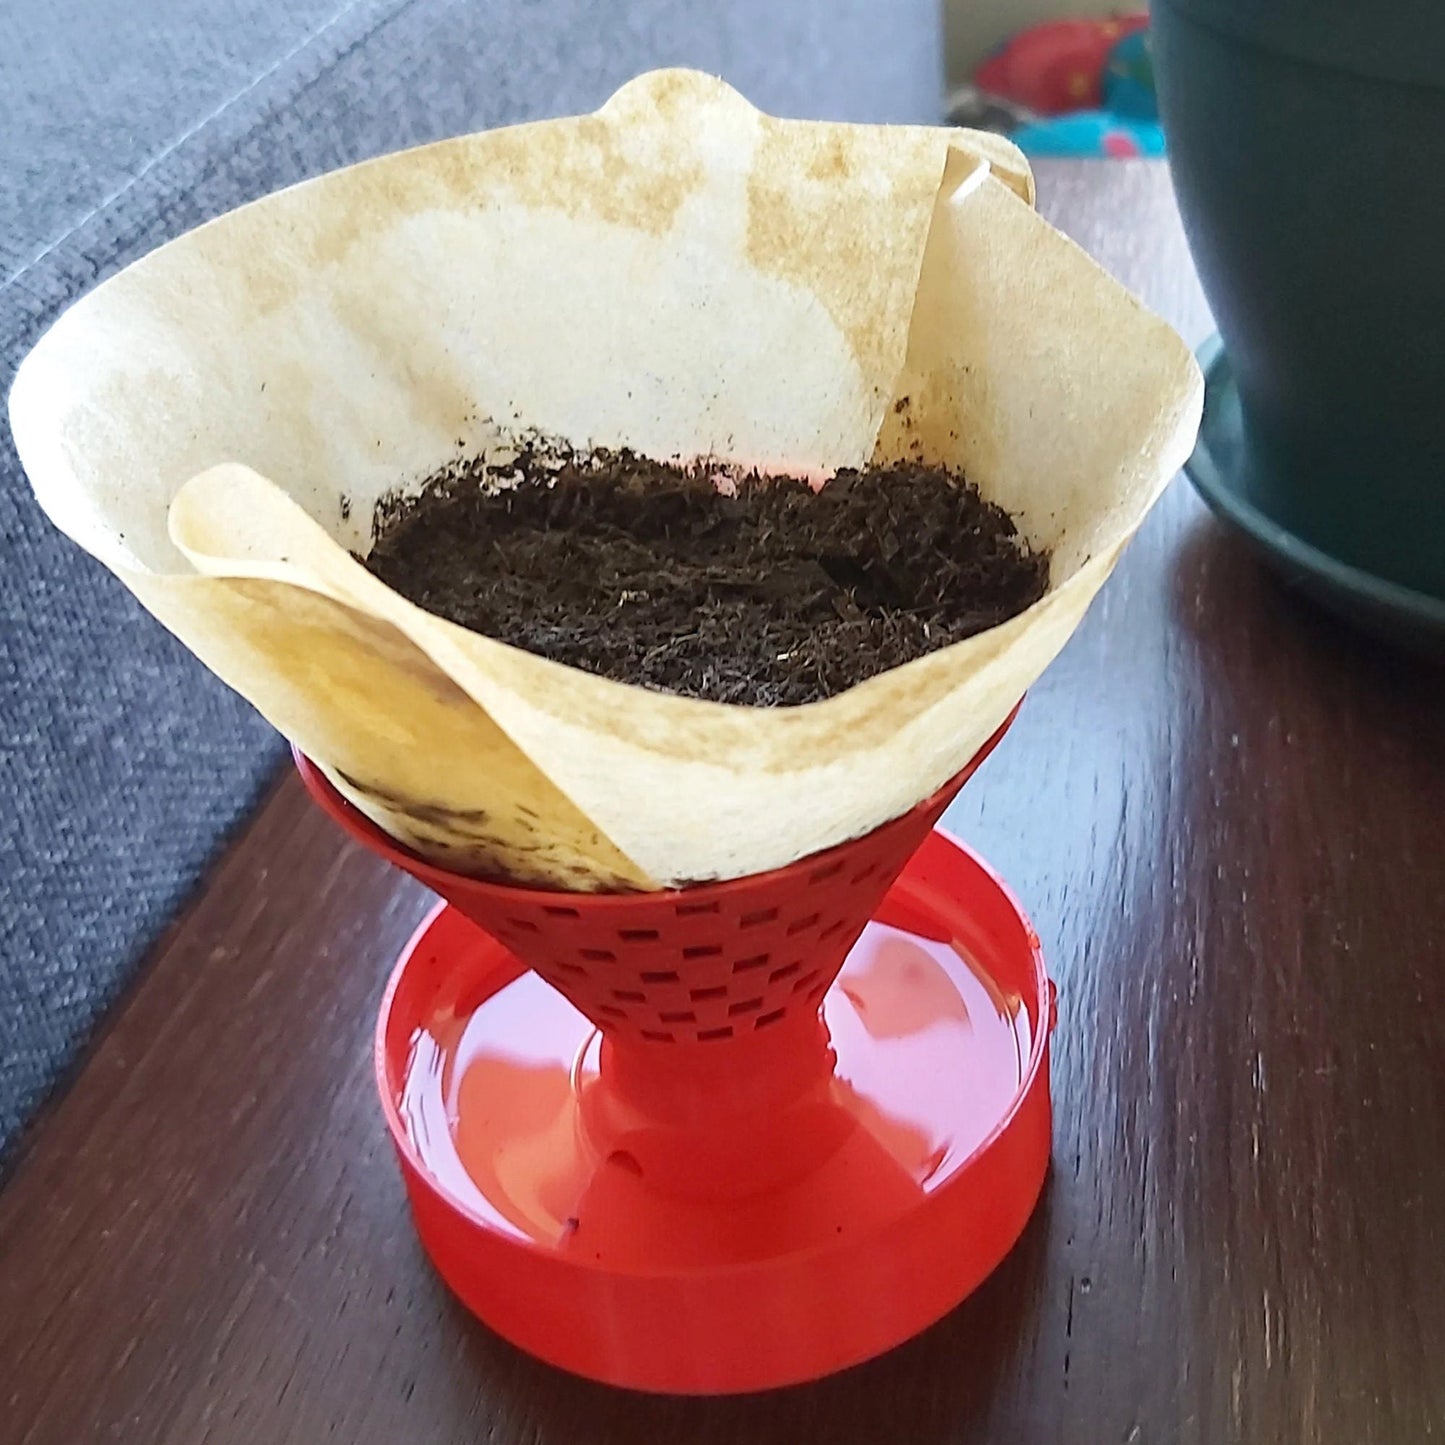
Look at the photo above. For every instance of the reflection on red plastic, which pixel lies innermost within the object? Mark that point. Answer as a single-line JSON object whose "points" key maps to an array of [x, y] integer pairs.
{"points": [[929, 1057]]}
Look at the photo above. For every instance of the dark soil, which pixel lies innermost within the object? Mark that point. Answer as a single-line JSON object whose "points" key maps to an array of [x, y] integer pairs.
{"points": [[644, 572]]}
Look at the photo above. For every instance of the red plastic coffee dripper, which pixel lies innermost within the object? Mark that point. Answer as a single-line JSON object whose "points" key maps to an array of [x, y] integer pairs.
{"points": [[676, 1155]]}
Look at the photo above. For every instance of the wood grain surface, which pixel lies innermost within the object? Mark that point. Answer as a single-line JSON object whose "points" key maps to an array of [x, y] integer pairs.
{"points": [[1225, 814]]}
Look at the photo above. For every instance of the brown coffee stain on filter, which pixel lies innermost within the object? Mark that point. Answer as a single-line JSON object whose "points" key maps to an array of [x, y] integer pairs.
{"points": [[851, 225], [496, 813], [598, 167], [302, 641], [936, 414], [676, 274], [818, 230], [378, 322], [605, 167]]}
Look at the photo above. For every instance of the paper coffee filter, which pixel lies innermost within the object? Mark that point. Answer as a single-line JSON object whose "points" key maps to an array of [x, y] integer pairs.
{"points": [[678, 274]]}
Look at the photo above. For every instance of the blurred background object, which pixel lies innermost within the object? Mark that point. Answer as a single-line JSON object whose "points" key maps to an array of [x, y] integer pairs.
{"points": [[1077, 86]]}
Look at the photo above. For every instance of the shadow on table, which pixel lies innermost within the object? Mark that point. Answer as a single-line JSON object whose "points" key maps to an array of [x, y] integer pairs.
{"points": [[920, 1392]]}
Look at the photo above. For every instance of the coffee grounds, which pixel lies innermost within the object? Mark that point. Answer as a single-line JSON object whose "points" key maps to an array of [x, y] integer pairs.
{"points": [[645, 572]]}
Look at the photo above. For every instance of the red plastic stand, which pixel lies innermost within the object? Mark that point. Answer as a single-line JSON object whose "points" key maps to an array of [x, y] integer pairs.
{"points": [[728, 1137]]}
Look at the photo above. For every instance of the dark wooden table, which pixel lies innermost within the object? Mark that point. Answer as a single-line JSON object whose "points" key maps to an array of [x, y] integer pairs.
{"points": [[1226, 816]]}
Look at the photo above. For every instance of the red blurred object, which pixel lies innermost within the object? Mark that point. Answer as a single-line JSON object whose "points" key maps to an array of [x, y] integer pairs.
{"points": [[675, 1155], [1057, 66]]}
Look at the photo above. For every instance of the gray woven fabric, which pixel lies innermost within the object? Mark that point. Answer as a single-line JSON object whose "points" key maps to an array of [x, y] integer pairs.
{"points": [[123, 765]]}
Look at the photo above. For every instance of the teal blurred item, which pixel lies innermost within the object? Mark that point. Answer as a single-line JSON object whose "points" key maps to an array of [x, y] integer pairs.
{"points": [[1129, 79], [1095, 133], [1238, 482], [1306, 139]]}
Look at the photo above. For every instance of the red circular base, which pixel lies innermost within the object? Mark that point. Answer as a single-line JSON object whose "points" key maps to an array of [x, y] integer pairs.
{"points": [[896, 1186]]}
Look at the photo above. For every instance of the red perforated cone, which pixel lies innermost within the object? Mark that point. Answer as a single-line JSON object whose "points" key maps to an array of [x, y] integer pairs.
{"points": [[701, 965]]}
